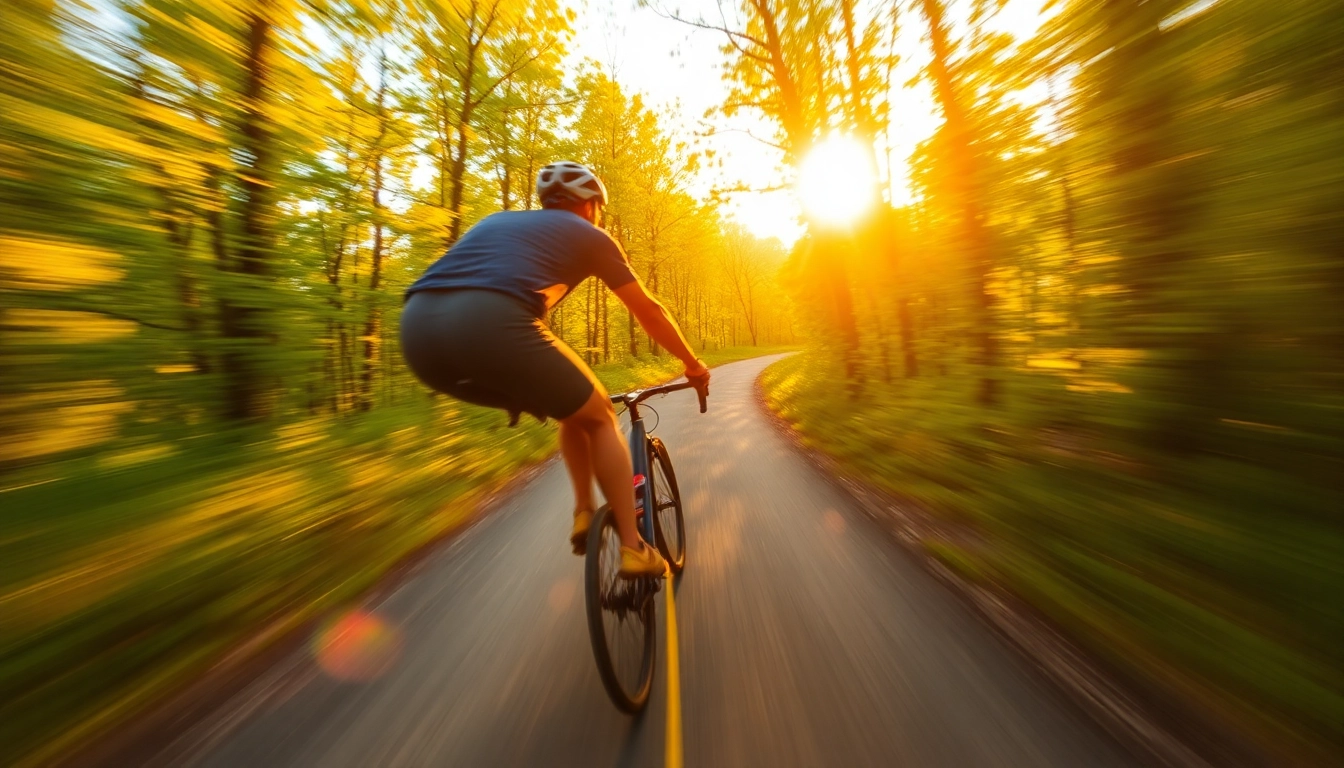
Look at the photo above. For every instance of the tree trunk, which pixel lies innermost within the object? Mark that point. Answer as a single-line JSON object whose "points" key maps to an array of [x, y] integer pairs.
{"points": [[842, 304], [180, 237], [459, 169], [634, 337], [911, 361], [372, 325], [606, 323], [965, 183], [792, 112], [505, 156], [189, 300], [590, 327], [654, 349], [241, 315]]}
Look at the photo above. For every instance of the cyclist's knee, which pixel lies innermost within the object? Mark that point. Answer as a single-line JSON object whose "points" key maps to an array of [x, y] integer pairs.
{"points": [[595, 412]]}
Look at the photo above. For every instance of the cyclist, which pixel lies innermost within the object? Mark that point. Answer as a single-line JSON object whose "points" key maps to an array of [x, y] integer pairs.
{"points": [[472, 327]]}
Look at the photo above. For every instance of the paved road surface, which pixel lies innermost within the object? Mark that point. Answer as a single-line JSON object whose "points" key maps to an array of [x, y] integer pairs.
{"points": [[806, 639]]}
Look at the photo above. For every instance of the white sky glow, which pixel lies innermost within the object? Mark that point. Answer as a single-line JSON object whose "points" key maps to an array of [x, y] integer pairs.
{"points": [[680, 71], [836, 181]]}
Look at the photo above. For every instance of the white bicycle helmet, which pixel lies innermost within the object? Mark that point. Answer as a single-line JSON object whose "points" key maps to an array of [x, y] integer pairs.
{"points": [[568, 180]]}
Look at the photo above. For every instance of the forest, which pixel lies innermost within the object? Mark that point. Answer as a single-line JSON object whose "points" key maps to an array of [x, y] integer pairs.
{"points": [[1102, 346], [208, 214], [1100, 340]]}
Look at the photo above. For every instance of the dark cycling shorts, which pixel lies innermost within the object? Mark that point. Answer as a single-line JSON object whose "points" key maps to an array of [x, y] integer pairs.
{"points": [[487, 348]]}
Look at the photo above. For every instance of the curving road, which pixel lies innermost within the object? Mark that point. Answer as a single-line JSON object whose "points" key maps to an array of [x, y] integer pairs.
{"points": [[806, 639]]}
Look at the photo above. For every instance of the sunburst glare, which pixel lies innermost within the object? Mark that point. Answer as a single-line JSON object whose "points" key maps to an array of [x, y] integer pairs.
{"points": [[837, 183]]}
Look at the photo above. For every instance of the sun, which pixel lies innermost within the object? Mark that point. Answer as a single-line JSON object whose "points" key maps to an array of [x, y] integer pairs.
{"points": [[837, 183]]}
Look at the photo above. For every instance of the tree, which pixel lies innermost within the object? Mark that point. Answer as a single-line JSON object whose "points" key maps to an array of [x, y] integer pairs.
{"points": [[784, 59], [468, 50], [749, 264], [963, 164]]}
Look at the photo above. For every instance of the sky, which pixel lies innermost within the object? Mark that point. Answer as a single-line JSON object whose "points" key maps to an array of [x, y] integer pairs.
{"points": [[679, 70]]}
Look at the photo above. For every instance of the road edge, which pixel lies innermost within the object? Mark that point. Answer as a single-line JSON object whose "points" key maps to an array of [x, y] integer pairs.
{"points": [[185, 722], [1104, 699], [206, 710]]}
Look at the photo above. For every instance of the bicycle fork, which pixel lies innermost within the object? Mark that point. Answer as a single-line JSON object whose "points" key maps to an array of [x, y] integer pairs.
{"points": [[639, 460]]}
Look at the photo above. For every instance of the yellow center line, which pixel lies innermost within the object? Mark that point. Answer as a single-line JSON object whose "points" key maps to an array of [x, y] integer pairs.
{"points": [[672, 755]]}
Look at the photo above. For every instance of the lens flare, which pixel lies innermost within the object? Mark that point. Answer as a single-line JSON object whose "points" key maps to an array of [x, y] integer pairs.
{"points": [[836, 183], [561, 596], [357, 647], [833, 521]]}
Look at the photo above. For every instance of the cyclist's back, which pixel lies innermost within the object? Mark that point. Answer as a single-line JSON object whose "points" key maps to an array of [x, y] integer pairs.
{"points": [[535, 256]]}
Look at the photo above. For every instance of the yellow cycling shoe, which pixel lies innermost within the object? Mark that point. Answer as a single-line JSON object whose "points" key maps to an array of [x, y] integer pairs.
{"points": [[578, 538], [644, 561]]}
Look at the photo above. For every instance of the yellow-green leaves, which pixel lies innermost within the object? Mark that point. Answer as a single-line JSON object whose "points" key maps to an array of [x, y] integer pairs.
{"points": [[51, 264]]}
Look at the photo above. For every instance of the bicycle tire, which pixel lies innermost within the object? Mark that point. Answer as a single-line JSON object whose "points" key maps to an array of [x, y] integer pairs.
{"points": [[669, 523], [630, 603]]}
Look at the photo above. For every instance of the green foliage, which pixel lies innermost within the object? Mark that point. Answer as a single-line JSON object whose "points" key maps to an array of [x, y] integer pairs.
{"points": [[1220, 582], [1106, 338], [218, 207], [209, 212], [134, 570]]}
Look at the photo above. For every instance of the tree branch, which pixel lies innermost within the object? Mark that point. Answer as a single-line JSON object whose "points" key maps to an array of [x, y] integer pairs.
{"points": [[733, 35], [740, 188], [749, 134], [513, 71], [72, 307], [537, 104]]}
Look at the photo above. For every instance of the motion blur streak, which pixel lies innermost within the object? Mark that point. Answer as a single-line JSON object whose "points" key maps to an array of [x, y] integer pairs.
{"points": [[789, 655], [1100, 351]]}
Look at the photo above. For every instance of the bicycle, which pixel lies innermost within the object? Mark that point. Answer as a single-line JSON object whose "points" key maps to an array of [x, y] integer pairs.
{"points": [[627, 674]]}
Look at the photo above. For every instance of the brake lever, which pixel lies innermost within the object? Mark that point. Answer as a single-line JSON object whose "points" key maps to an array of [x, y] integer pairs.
{"points": [[701, 392]]}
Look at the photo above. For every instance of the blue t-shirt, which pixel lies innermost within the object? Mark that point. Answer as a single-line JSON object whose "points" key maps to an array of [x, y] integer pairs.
{"points": [[538, 256]]}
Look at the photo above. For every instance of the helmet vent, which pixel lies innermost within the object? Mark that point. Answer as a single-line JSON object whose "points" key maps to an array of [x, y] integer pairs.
{"points": [[569, 180]]}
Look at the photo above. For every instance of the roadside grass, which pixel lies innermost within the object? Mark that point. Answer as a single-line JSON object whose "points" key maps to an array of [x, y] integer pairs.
{"points": [[1218, 582], [627, 375], [129, 573]]}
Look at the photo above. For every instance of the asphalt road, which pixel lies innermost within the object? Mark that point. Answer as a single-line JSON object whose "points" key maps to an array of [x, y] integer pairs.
{"points": [[806, 639]]}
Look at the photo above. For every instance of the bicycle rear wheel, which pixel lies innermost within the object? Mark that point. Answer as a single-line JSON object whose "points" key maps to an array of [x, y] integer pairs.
{"points": [[669, 526], [621, 620]]}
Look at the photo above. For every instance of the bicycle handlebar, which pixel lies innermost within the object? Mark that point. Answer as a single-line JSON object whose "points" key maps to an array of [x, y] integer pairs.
{"points": [[640, 395]]}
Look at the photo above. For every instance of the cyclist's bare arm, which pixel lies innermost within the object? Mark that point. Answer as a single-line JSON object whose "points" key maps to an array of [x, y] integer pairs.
{"points": [[654, 318]]}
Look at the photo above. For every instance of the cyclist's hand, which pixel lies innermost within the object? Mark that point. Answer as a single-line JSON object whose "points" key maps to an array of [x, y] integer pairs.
{"points": [[698, 374]]}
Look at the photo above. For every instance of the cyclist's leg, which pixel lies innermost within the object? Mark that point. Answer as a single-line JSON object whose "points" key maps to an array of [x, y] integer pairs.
{"points": [[576, 449], [608, 458], [553, 380], [540, 374]]}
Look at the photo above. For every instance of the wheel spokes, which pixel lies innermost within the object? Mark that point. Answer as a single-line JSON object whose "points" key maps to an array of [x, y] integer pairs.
{"points": [[623, 616], [666, 510]]}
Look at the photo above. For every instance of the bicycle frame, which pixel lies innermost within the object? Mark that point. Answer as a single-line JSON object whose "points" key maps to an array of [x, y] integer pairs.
{"points": [[639, 461], [639, 451]]}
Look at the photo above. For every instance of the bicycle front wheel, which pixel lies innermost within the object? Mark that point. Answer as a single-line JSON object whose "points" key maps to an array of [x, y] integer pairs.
{"points": [[669, 526], [620, 618]]}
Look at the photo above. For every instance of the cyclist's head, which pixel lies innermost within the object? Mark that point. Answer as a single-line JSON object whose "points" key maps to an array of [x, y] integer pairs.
{"points": [[571, 186]]}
